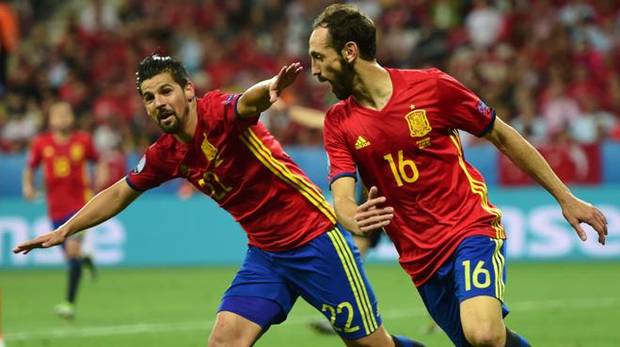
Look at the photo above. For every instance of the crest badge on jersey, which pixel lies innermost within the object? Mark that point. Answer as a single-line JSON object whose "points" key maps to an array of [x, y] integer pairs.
{"points": [[210, 151], [418, 123], [77, 152]]}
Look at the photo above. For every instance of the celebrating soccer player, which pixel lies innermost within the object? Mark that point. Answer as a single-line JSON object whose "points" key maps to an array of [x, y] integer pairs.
{"points": [[398, 129], [64, 154], [296, 249]]}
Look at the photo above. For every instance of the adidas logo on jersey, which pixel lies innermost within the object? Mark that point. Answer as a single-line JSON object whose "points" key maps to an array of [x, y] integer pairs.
{"points": [[361, 143]]}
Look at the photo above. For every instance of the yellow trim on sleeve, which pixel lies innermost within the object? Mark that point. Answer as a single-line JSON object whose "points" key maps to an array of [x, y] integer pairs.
{"points": [[479, 188], [308, 190]]}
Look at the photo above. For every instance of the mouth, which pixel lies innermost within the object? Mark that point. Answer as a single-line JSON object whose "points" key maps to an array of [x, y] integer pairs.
{"points": [[322, 79], [325, 80], [165, 116]]}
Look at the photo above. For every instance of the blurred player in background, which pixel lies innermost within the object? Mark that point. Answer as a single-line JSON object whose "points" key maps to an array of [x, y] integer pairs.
{"points": [[64, 154], [398, 129], [295, 247], [9, 40]]}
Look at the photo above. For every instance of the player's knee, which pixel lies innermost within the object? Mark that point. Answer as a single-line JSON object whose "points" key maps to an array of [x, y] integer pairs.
{"points": [[224, 334], [363, 342], [231, 330], [73, 248], [378, 338], [226, 339], [486, 334]]}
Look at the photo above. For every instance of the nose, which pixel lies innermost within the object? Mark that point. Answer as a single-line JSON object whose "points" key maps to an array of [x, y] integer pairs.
{"points": [[159, 101], [316, 72]]}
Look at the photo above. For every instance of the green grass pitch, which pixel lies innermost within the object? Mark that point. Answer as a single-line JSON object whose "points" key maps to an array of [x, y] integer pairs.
{"points": [[553, 305]]}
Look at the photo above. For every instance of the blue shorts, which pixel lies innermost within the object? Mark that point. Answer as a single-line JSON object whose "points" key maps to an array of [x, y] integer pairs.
{"points": [[326, 272], [476, 268]]}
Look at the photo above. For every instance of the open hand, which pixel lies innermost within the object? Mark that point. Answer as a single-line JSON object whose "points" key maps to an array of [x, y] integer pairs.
{"points": [[285, 78], [42, 241], [370, 216], [577, 211]]}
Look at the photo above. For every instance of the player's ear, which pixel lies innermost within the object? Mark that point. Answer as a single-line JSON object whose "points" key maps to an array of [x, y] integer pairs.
{"points": [[350, 52], [190, 91]]}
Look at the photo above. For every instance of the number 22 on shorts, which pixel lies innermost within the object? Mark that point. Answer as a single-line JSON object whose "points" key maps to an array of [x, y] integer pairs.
{"points": [[338, 310]]}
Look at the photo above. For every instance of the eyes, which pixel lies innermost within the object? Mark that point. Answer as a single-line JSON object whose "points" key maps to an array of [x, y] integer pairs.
{"points": [[149, 97], [317, 56]]}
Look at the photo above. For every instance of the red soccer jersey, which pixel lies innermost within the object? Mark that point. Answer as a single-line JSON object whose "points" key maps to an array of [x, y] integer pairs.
{"points": [[65, 171], [244, 169], [411, 151]]}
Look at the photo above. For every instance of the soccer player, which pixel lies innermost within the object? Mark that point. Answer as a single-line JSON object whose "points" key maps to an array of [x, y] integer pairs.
{"points": [[398, 129], [295, 247], [64, 155]]}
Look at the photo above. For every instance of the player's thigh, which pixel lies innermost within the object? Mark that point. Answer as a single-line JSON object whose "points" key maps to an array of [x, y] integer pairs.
{"points": [[73, 247], [328, 274], [233, 330], [482, 321], [258, 293], [479, 276], [442, 303]]}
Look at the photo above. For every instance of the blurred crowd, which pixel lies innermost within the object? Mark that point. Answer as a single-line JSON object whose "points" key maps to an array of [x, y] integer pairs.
{"points": [[551, 68]]}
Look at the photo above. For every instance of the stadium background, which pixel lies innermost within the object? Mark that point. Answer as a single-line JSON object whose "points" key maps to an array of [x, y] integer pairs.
{"points": [[550, 68]]}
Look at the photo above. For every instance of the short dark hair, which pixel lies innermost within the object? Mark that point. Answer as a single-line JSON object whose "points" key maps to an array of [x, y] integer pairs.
{"points": [[347, 23], [155, 64]]}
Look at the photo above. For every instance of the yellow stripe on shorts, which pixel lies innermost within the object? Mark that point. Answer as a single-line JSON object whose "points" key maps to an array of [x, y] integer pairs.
{"points": [[498, 266], [355, 280]]}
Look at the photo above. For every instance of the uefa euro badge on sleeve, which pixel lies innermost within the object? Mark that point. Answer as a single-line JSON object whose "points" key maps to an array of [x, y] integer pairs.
{"points": [[483, 108], [418, 123], [140, 165]]}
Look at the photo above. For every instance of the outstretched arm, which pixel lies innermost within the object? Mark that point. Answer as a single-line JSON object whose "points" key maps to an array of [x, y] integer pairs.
{"points": [[260, 96], [364, 218], [528, 159], [100, 208]]}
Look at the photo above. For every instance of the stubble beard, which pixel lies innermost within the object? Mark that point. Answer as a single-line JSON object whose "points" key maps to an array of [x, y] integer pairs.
{"points": [[172, 128], [344, 88], [176, 124]]}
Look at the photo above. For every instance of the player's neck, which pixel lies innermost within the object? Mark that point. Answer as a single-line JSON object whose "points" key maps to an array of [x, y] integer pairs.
{"points": [[186, 135], [61, 136], [372, 86]]}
